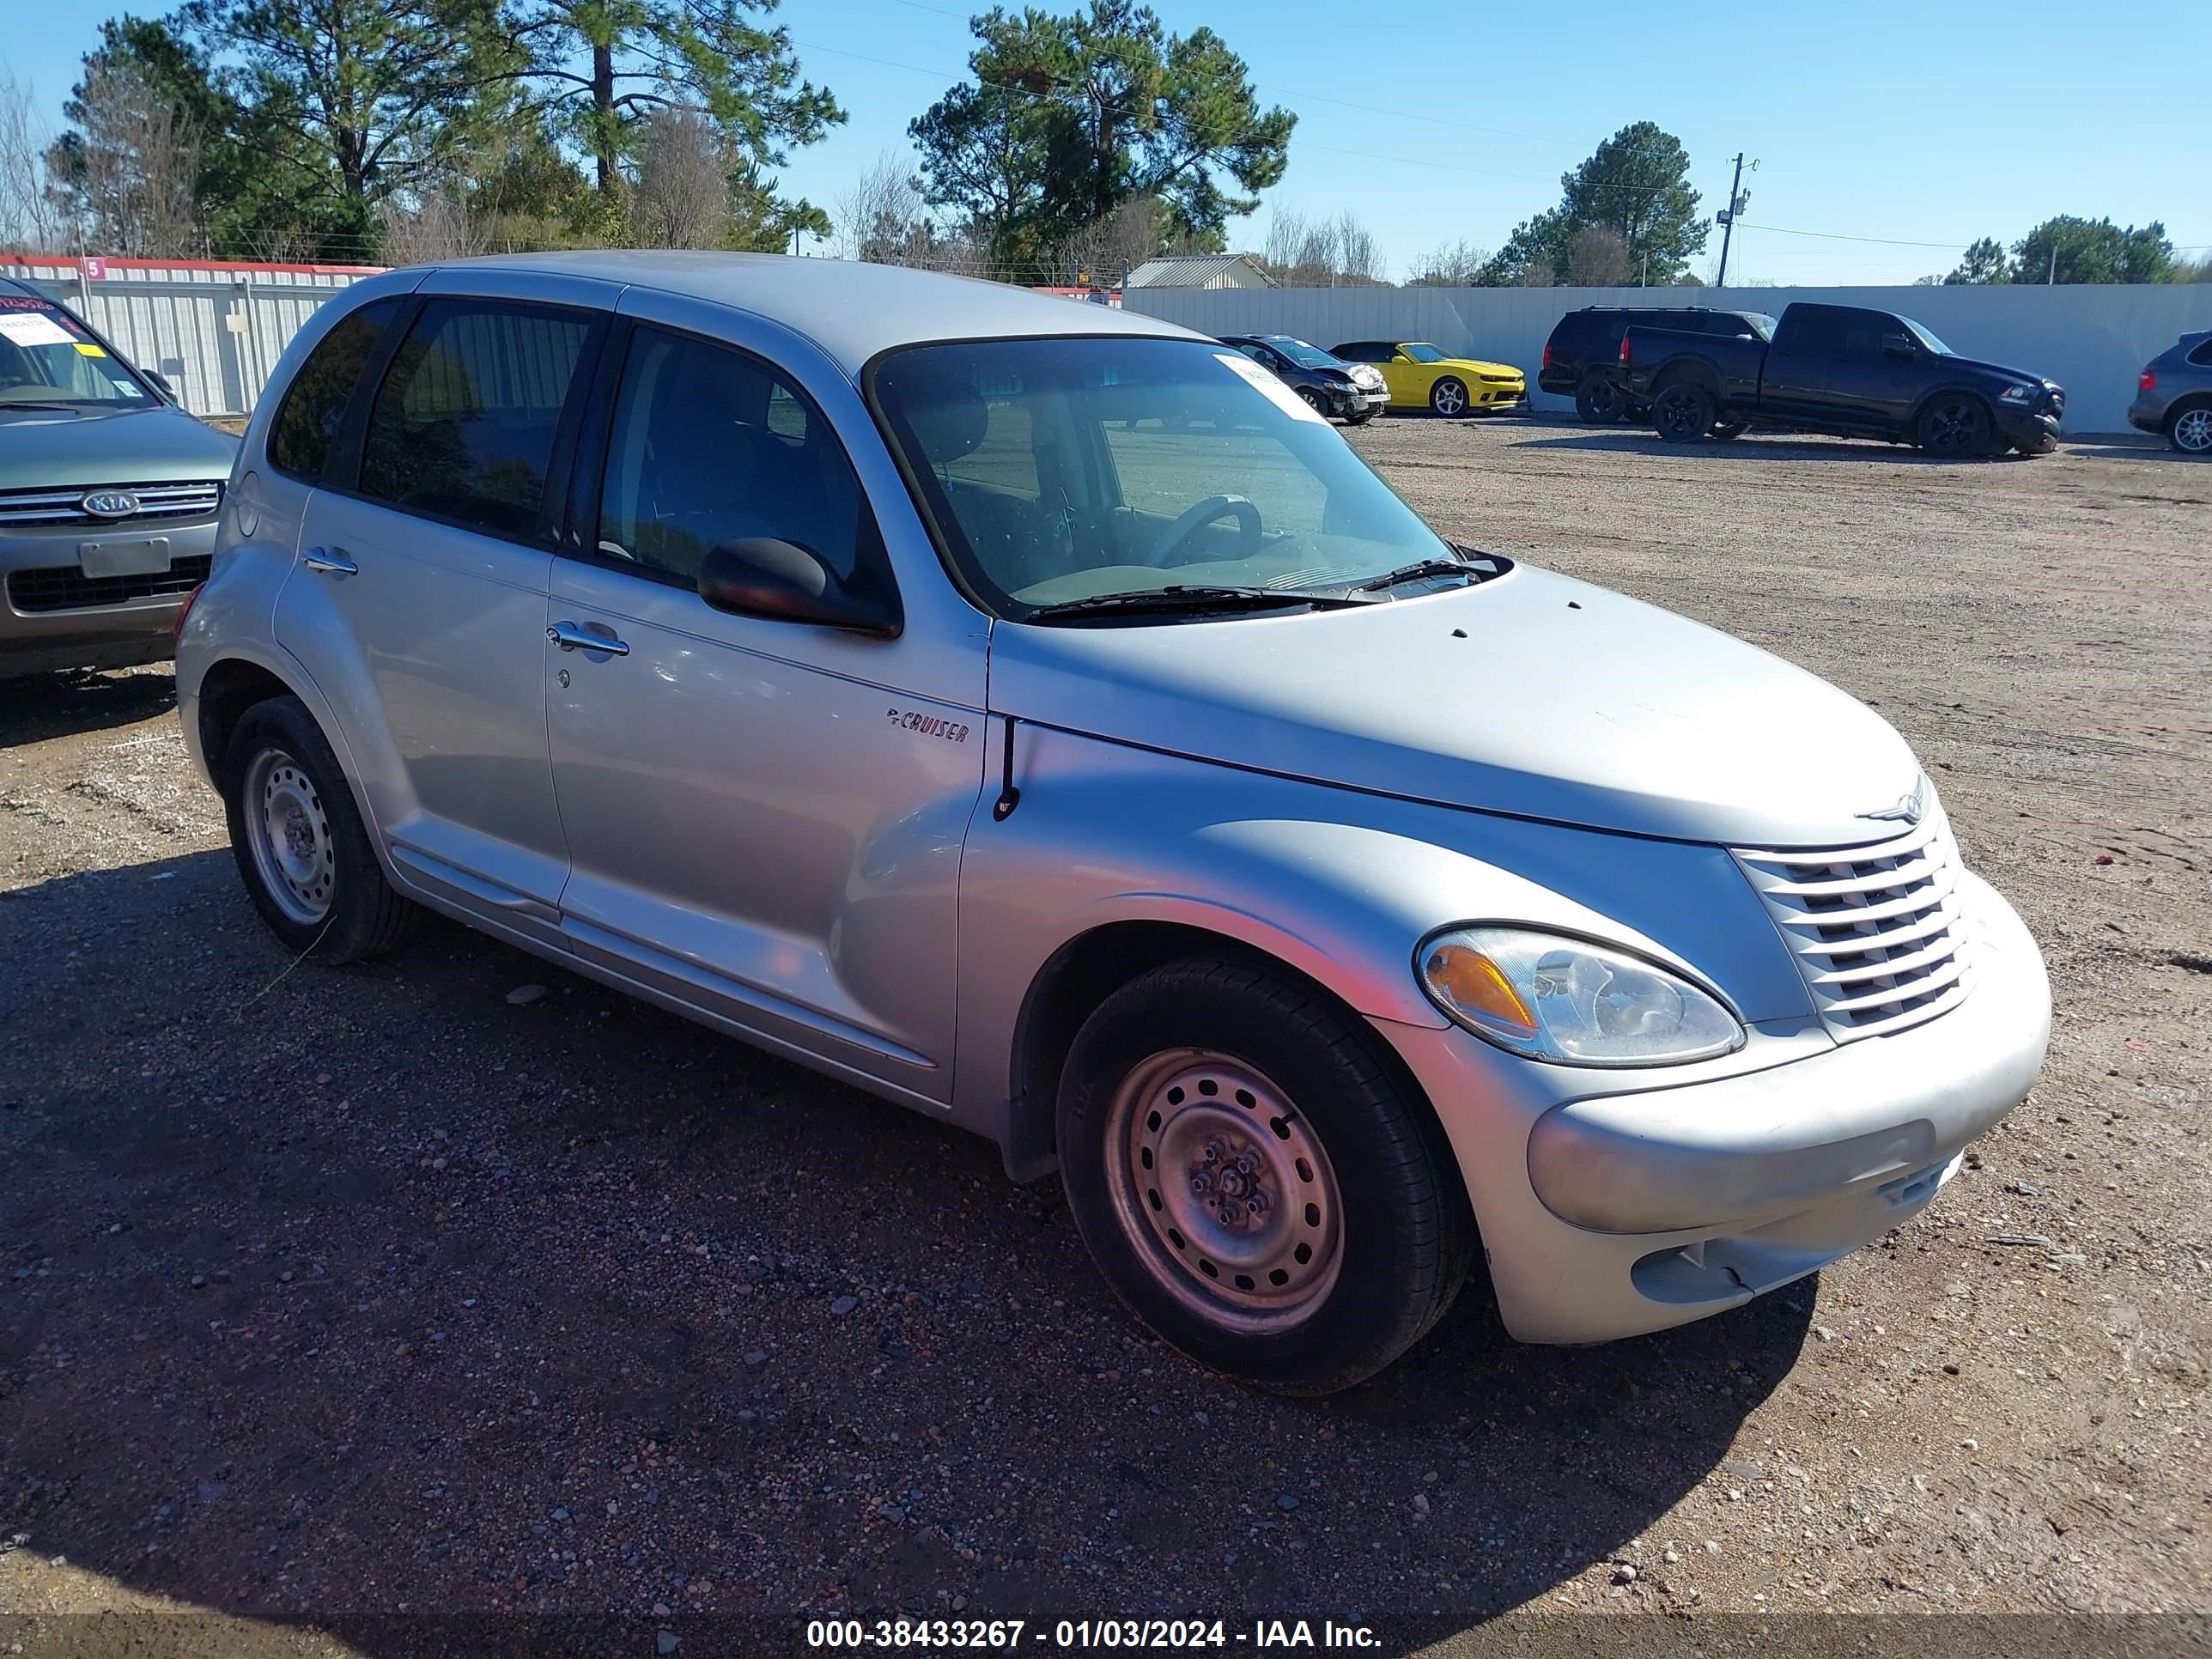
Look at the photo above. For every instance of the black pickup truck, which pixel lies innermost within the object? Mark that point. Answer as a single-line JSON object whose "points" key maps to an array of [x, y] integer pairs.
{"points": [[1840, 369]]}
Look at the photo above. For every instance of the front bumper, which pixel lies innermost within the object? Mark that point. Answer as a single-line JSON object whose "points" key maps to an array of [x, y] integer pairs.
{"points": [[51, 617], [1494, 395], [1610, 1215]]}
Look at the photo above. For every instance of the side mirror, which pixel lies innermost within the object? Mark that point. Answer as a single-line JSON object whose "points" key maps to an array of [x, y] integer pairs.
{"points": [[160, 383], [763, 576], [1900, 345]]}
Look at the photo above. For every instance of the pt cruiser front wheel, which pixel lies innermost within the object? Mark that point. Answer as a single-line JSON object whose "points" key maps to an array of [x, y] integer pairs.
{"points": [[1254, 1179]]}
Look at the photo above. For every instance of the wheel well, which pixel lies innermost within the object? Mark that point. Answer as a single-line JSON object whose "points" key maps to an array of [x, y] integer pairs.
{"points": [[1696, 375], [1084, 972], [226, 690], [2186, 402], [1921, 408]]}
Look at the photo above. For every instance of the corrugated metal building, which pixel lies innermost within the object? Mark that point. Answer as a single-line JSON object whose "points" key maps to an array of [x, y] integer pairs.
{"points": [[1199, 270], [215, 329]]}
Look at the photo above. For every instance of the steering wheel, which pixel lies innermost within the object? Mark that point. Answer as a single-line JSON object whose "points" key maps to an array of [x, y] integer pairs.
{"points": [[1195, 518]]}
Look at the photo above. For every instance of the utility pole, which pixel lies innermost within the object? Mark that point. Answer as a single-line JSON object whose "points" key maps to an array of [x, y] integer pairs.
{"points": [[2052, 280], [1727, 219]]}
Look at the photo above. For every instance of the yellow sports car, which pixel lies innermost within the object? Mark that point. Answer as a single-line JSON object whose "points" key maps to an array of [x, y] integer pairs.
{"points": [[1419, 376]]}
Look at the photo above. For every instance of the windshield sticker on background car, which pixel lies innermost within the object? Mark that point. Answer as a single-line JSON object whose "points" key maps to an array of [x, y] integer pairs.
{"points": [[1276, 392], [31, 329]]}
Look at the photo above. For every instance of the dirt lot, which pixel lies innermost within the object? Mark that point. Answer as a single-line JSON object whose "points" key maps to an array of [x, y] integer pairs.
{"points": [[345, 1294]]}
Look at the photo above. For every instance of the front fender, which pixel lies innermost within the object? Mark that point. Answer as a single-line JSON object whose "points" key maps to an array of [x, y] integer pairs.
{"points": [[1339, 885]]}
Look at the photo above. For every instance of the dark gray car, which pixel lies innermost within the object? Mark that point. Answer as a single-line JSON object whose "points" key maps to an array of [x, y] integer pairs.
{"points": [[108, 495], [2173, 395]]}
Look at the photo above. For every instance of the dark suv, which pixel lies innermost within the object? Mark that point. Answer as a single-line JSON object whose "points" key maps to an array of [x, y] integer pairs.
{"points": [[1582, 360]]}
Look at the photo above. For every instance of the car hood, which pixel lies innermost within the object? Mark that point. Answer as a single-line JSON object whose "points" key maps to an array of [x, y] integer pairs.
{"points": [[2000, 370], [1532, 695], [63, 449]]}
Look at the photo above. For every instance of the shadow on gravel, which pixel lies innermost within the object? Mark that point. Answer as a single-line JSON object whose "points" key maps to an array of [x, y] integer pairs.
{"points": [[35, 708], [328, 1293], [1759, 446]]}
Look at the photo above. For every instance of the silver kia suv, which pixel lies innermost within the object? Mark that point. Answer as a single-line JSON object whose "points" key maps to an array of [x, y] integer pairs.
{"points": [[108, 495]]}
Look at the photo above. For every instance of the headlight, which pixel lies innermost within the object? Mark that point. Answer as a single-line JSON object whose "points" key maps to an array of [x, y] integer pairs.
{"points": [[2019, 394], [1550, 997]]}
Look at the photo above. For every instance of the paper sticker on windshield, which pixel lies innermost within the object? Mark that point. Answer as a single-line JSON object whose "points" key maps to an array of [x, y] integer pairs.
{"points": [[90, 349], [1276, 392], [29, 329]]}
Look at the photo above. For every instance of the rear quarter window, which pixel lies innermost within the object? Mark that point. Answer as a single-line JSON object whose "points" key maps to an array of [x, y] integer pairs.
{"points": [[308, 422], [2202, 355]]}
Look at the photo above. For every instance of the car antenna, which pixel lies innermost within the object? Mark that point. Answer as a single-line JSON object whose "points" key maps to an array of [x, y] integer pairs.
{"points": [[1009, 797]]}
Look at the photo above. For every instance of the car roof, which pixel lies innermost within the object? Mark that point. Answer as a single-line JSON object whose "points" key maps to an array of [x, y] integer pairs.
{"points": [[852, 311]]}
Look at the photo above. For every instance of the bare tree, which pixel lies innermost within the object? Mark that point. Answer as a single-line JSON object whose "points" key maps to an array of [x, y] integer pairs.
{"points": [[1104, 252], [30, 221], [130, 169], [683, 194], [441, 225], [1453, 264], [1535, 274], [1303, 252], [883, 219], [1599, 258]]}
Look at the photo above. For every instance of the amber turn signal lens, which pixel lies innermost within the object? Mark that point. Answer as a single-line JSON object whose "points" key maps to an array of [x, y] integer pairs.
{"points": [[1474, 981]]}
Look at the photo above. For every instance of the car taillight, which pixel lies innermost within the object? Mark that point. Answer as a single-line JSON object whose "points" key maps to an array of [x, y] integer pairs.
{"points": [[2147, 381], [177, 628], [1548, 354], [1624, 348]]}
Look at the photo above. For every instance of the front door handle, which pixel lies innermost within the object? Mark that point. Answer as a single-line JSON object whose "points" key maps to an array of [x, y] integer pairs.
{"points": [[329, 562], [569, 637]]}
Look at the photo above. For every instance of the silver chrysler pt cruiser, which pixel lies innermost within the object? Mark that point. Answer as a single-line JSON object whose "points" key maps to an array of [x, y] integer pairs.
{"points": [[1039, 717]]}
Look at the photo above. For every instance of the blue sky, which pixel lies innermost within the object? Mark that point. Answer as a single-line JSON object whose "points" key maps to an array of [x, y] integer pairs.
{"points": [[1912, 122]]}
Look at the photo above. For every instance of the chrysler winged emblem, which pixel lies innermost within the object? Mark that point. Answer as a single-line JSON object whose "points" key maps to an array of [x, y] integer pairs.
{"points": [[1906, 809]]}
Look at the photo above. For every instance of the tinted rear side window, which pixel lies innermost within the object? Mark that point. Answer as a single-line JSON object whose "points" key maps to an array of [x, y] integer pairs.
{"points": [[465, 424], [2203, 354], [308, 421]]}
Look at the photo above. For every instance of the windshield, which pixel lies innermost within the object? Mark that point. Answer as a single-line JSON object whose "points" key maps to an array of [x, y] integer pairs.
{"points": [[46, 356], [1926, 338], [1422, 352], [1306, 356], [1061, 470], [1761, 324]]}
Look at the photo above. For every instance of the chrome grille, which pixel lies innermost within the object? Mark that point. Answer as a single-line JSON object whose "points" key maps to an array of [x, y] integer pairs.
{"points": [[156, 501], [1877, 931]]}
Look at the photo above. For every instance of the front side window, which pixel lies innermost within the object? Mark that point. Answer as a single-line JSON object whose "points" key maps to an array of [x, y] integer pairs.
{"points": [[710, 446], [47, 357], [464, 425], [1134, 465], [308, 421]]}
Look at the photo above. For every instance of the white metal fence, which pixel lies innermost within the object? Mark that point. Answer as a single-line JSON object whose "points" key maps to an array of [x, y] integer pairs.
{"points": [[215, 330], [2092, 340]]}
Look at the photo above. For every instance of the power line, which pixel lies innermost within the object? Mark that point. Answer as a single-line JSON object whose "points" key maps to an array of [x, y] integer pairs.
{"points": [[1837, 236]]}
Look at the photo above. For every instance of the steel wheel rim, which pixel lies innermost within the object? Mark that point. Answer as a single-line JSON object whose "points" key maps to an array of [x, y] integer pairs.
{"points": [[1312, 398], [2192, 430], [289, 833], [1450, 398], [1224, 1190]]}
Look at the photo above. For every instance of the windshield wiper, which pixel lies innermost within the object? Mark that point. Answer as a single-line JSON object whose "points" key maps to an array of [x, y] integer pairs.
{"points": [[1417, 569], [1188, 599]]}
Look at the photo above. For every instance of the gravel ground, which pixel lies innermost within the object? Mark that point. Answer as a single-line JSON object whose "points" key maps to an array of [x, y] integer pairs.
{"points": [[452, 1284]]}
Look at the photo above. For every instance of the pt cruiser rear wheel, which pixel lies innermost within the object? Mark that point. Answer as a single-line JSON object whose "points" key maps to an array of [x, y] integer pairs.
{"points": [[1254, 1180], [300, 842]]}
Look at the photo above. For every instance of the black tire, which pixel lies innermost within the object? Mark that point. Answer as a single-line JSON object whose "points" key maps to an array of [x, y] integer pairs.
{"points": [[1600, 402], [1402, 1238], [2188, 429], [1313, 401], [1728, 429], [362, 915], [1448, 396], [1683, 413], [1956, 426]]}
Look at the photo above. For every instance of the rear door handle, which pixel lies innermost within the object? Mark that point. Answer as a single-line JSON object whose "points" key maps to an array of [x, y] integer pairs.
{"points": [[329, 562], [569, 637]]}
